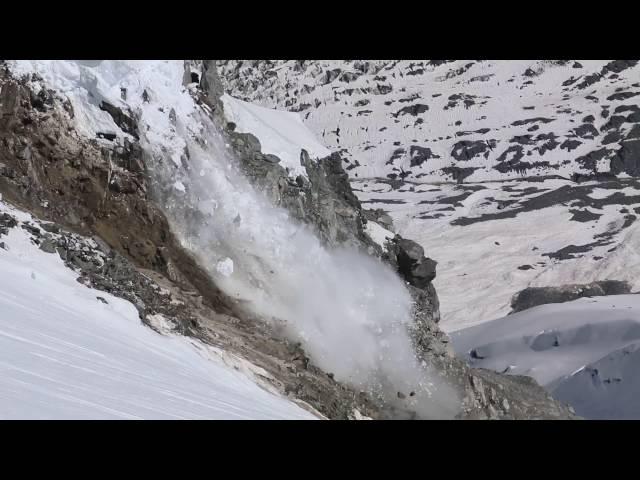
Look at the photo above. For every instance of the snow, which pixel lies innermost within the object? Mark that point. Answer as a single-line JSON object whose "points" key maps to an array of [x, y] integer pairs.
{"points": [[378, 233], [468, 258], [585, 352], [371, 133], [225, 267], [281, 133], [476, 277], [599, 193], [66, 355]]}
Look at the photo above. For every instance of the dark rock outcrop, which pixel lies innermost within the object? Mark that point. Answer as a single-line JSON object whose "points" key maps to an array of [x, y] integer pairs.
{"points": [[534, 296], [627, 158], [125, 121], [466, 149], [413, 266]]}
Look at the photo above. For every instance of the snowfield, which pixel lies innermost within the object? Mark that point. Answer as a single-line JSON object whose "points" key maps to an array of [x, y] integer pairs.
{"points": [[65, 354], [281, 133], [492, 240], [585, 352]]}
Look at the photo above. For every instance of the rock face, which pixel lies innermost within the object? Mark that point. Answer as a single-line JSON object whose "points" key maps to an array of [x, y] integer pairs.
{"points": [[324, 201], [534, 296], [93, 189]]}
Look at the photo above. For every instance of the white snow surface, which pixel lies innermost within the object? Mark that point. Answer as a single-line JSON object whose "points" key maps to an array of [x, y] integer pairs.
{"points": [[585, 352], [66, 355], [281, 133]]}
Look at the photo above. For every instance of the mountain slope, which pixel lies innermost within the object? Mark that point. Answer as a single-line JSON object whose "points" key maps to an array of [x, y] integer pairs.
{"points": [[475, 120], [492, 240], [73, 352], [585, 352], [97, 183], [270, 266], [508, 173]]}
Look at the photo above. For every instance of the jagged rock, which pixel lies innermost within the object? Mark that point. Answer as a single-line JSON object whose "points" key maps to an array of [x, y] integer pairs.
{"points": [[48, 246], [126, 122], [6, 222], [379, 216], [627, 158], [331, 75], [465, 150], [50, 227], [210, 83], [412, 265], [271, 158], [35, 231]]}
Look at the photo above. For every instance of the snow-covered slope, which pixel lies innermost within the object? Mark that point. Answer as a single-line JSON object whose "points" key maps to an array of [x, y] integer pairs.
{"points": [[492, 240], [443, 120], [490, 126], [281, 133], [348, 310], [585, 352], [71, 352]]}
